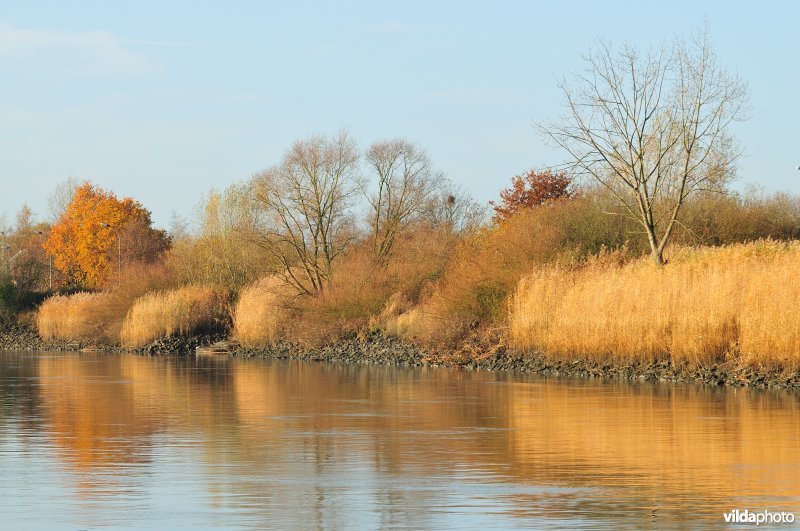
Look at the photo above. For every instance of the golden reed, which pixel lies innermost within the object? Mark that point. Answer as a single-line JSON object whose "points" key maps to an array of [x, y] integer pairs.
{"points": [[69, 317], [180, 312], [737, 303], [259, 313]]}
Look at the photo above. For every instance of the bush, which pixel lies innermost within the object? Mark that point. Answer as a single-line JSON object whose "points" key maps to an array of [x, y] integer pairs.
{"points": [[361, 289], [6, 300], [721, 219], [485, 267], [358, 291]]}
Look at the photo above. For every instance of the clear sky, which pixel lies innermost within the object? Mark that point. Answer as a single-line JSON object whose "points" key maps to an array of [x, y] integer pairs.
{"points": [[164, 100]]}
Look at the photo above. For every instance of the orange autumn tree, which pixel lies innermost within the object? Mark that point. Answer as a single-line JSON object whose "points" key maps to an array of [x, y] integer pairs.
{"points": [[83, 242]]}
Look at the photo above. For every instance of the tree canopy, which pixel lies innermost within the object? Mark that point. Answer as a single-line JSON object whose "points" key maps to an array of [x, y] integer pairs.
{"points": [[97, 233], [652, 128], [531, 189]]}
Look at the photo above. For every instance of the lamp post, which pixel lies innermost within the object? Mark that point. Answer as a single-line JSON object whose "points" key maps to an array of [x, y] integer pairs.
{"points": [[119, 249]]}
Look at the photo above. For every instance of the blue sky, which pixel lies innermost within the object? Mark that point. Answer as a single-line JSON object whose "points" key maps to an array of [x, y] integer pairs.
{"points": [[162, 101]]}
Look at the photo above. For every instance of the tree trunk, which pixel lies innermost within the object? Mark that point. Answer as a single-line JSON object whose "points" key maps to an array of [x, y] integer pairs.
{"points": [[657, 256], [655, 249]]}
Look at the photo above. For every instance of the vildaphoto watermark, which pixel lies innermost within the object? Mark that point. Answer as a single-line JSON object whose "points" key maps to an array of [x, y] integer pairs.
{"points": [[746, 516]]}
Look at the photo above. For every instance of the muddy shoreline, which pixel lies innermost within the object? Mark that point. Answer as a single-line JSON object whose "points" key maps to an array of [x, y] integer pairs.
{"points": [[382, 350]]}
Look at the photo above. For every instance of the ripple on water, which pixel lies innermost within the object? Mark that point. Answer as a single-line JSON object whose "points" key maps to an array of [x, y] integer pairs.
{"points": [[127, 441]]}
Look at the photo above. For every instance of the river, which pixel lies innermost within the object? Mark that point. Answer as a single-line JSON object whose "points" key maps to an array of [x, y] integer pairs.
{"points": [[92, 441]]}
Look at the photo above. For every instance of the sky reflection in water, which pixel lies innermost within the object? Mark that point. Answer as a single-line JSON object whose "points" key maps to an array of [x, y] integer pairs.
{"points": [[93, 440]]}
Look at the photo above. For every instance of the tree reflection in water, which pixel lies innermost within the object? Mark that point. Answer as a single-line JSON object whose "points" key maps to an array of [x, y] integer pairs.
{"points": [[294, 443]]}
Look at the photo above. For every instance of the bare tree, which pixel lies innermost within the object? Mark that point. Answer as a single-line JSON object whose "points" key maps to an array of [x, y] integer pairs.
{"points": [[304, 204], [141, 242], [454, 210], [653, 128], [406, 182], [60, 198]]}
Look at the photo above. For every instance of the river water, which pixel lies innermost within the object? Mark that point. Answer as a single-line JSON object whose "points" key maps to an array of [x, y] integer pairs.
{"points": [[90, 441]]}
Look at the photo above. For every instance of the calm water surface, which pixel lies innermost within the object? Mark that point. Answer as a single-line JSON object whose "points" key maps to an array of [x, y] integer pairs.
{"points": [[95, 441]]}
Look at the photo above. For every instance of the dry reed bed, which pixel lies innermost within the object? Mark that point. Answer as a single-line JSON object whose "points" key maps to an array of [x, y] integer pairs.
{"points": [[181, 311], [737, 303], [260, 313], [69, 317]]}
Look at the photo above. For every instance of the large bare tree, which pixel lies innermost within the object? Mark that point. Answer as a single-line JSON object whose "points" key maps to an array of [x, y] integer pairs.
{"points": [[304, 204], [406, 183], [652, 128]]}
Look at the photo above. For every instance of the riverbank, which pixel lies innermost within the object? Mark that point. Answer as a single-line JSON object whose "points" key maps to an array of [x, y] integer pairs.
{"points": [[391, 351], [383, 350], [19, 336], [23, 337]]}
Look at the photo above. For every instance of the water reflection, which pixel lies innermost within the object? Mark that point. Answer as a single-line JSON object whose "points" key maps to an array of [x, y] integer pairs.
{"points": [[158, 442]]}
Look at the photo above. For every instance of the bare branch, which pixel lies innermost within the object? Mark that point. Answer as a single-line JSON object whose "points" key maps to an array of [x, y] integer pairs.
{"points": [[652, 128], [305, 202]]}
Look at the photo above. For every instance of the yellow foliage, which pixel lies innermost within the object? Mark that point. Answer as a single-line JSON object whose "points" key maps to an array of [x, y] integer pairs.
{"points": [[733, 303]]}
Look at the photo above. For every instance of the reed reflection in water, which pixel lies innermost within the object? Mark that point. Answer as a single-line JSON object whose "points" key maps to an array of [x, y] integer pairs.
{"points": [[98, 440]]}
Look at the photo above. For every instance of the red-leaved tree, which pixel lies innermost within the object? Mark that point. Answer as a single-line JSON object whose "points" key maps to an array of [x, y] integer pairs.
{"points": [[532, 189]]}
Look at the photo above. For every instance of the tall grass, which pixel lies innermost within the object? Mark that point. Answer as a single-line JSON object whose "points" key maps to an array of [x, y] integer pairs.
{"points": [[98, 316], [736, 303], [260, 314], [70, 317], [179, 312], [137, 280]]}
